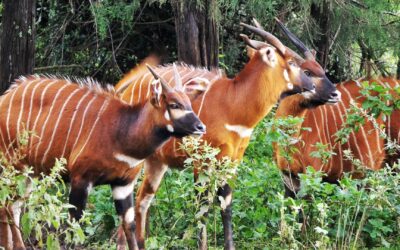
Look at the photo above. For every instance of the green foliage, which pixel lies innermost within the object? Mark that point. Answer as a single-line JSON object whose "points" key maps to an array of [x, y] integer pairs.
{"points": [[107, 12], [44, 219]]}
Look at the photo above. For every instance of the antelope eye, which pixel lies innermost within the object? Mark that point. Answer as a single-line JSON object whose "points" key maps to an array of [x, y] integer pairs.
{"points": [[308, 73], [174, 105]]}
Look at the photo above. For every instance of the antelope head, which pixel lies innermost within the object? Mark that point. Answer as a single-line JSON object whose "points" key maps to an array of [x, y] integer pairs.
{"points": [[280, 60], [174, 106], [326, 91]]}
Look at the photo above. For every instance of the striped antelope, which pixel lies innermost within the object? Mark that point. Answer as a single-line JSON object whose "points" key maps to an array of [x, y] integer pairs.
{"points": [[230, 108], [365, 144], [324, 121], [103, 138]]}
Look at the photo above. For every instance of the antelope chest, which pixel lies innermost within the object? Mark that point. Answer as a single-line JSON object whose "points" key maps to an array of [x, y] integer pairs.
{"points": [[239, 130], [130, 162]]}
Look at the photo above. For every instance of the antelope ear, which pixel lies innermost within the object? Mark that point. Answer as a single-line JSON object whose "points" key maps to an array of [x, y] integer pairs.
{"points": [[313, 52], [250, 52], [156, 93], [268, 55], [196, 86]]}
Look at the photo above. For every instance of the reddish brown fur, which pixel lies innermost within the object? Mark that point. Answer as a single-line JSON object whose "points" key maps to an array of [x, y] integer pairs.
{"points": [[366, 144], [92, 126], [244, 101]]}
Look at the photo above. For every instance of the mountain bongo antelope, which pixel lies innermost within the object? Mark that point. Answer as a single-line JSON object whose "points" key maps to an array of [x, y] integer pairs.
{"points": [[324, 121], [102, 138], [230, 108]]}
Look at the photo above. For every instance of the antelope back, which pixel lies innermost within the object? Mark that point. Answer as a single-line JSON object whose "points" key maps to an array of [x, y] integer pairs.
{"points": [[135, 88], [61, 116], [366, 144]]}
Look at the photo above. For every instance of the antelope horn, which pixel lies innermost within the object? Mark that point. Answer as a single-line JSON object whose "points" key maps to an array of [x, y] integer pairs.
{"points": [[177, 77], [267, 36], [296, 41], [296, 56], [164, 84], [253, 43], [256, 23]]}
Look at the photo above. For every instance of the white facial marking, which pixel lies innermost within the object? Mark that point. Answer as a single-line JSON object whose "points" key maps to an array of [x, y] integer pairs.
{"points": [[179, 113], [286, 75], [290, 85], [121, 192], [129, 215], [170, 128], [131, 161], [242, 131], [166, 115]]}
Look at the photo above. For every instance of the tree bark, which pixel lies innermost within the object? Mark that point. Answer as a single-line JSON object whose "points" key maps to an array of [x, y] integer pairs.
{"points": [[322, 14], [17, 40], [197, 32]]}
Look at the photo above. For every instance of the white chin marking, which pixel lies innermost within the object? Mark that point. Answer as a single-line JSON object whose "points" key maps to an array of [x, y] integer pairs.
{"points": [[121, 192], [290, 86], [170, 128], [131, 161], [307, 94], [166, 115], [286, 75], [242, 131], [129, 215]]}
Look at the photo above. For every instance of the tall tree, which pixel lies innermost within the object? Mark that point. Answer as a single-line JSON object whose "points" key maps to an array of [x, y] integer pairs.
{"points": [[17, 40], [197, 32]]}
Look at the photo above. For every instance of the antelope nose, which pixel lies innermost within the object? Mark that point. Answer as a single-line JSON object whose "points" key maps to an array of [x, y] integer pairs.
{"points": [[200, 127], [336, 94]]}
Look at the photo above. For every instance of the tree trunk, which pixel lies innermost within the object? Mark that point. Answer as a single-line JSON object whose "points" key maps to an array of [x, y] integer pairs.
{"points": [[197, 32], [398, 68], [322, 13], [17, 40]]}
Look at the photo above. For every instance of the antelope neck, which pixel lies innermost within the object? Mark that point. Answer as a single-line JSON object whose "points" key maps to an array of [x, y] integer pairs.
{"points": [[254, 93], [291, 105], [142, 131]]}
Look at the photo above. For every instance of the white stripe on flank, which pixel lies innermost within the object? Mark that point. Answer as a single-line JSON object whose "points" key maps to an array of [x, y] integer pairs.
{"points": [[1, 133], [73, 120], [57, 123], [317, 127], [337, 143], [40, 111], [328, 136], [82, 125], [241, 130], [133, 91], [100, 113], [31, 102], [203, 99], [21, 110], [351, 134], [9, 114], [187, 74], [140, 86], [44, 125], [131, 161], [371, 160]]}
